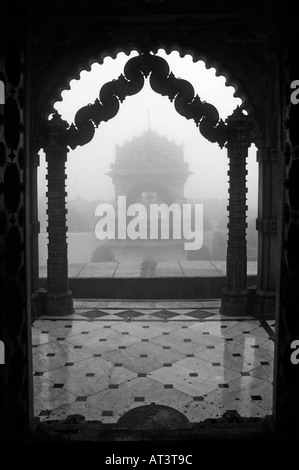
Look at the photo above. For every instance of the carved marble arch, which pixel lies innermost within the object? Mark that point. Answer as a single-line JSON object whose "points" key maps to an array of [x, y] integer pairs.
{"points": [[129, 83]]}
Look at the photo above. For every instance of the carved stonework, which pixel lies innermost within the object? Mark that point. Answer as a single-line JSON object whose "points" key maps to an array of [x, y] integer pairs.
{"points": [[234, 296], [162, 81], [59, 298], [61, 50]]}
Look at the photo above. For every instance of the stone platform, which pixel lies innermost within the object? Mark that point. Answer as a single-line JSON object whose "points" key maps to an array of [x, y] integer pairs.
{"points": [[150, 269], [149, 279], [113, 356]]}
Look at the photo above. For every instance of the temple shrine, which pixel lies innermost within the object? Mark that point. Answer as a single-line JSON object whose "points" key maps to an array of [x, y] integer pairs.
{"points": [[149, 169]]}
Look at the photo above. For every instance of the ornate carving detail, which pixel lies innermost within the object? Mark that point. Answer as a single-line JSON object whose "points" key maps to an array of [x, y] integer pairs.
{"points": [[55, 134], [162, 81], [239, 128], [141, 45], [266, 225], [237, 149]]}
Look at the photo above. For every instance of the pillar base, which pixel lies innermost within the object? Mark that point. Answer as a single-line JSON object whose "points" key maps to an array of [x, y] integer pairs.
{"points": [[265, 303], [58, 304], [234, 302], [35, 306], [38, 304]]}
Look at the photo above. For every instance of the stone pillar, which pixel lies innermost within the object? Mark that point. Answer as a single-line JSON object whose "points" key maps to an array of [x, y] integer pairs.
{"points": [[235, 295], [34, 232], [59, 297], [266, 225]]}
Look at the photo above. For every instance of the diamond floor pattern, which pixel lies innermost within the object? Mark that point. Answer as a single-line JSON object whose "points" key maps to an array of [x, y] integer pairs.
{"points": [[111, 356]]}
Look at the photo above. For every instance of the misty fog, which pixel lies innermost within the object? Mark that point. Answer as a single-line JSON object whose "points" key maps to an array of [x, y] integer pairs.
{"points": [[89, 185]]}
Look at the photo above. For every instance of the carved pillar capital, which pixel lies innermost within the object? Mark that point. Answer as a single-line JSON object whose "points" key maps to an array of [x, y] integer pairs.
{"points": [[239, 128], [55, 133]]}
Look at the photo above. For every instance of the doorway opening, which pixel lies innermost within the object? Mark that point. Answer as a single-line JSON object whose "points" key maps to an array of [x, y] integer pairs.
{"points": [[147, 153], [111, 356]]}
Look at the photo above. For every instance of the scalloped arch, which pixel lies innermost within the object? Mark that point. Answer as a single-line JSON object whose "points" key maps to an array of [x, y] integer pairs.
{"points": [[183, 51], [130, 82]]}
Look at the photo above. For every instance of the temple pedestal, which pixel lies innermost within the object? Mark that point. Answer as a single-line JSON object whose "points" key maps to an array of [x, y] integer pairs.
{"points": [[59, 304]]}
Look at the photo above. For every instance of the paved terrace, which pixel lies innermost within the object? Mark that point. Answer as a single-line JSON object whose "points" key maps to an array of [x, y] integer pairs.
{"points": [[150, 269], [109, 357]]}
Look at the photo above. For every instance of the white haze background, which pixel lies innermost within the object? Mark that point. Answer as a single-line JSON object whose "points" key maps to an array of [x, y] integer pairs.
{"points": [[87, 166]]}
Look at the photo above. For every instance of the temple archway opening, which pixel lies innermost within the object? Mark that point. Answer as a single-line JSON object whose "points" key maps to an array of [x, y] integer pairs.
{"points": [[90, 179], [143, 341]]}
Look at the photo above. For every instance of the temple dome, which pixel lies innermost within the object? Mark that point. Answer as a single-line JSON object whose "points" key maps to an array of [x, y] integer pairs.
{"points": [[149, 150]]}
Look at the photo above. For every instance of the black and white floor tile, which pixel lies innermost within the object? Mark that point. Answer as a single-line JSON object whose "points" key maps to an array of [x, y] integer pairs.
{"points": [[111, 356]]}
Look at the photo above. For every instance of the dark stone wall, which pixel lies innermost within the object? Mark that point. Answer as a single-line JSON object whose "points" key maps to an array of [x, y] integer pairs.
{"points": [[234, 44], [286, 377], [13, 318]]}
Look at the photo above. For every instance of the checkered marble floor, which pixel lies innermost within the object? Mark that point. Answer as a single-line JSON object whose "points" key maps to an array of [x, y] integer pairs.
{"points": [[111, 356]]}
